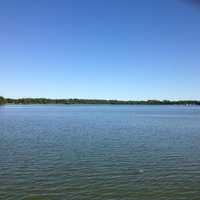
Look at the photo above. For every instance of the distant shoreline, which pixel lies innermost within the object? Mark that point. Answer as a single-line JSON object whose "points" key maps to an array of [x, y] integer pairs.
{"points": [[27, 101]]}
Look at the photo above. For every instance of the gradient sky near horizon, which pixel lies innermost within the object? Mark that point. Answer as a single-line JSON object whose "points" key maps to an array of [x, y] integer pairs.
{"points": [[110, 49]]}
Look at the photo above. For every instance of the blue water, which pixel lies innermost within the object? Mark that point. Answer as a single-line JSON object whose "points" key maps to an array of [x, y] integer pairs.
{"points": [[55, 152]]}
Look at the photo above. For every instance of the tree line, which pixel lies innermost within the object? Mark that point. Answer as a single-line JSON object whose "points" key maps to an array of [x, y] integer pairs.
{"points": [[94, 101], [2, 100]]}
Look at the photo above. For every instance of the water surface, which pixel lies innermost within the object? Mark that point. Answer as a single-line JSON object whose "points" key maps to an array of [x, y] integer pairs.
{"points": [[99, 152]]}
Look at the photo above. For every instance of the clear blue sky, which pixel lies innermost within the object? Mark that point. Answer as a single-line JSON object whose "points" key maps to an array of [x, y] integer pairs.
{"points": [[111, 49]]}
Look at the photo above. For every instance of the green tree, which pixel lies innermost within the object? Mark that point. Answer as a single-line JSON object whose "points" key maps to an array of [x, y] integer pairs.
{"points": [[2, 100]]}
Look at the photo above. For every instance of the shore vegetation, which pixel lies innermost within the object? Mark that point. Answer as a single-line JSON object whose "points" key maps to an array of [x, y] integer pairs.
{"points": [[95, 101]]}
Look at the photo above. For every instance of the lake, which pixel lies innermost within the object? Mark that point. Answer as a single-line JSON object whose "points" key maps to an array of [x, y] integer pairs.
{"points": [[99, 152]]}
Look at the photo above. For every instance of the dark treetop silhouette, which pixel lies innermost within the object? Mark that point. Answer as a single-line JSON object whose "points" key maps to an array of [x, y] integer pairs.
{"points": [[95, 101]]}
